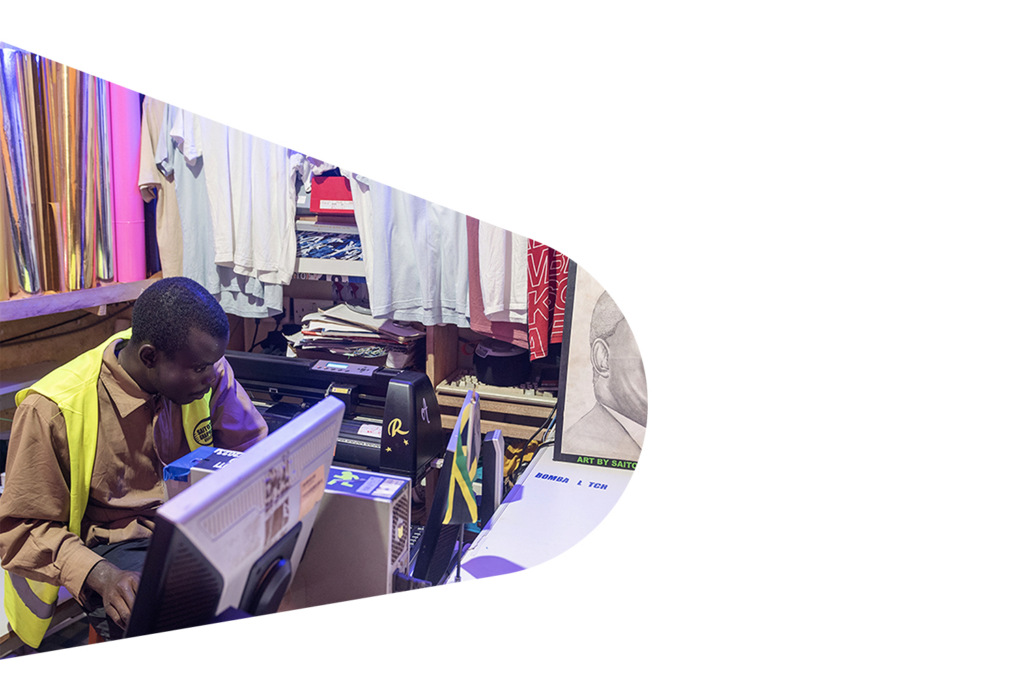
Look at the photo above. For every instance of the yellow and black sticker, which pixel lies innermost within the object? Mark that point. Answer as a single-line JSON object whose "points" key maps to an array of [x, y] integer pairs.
{"points": [[203, 432]]}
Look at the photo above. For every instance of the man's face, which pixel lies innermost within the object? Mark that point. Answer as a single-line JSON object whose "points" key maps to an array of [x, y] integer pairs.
{"points": [[189, 374], [626, 378]]}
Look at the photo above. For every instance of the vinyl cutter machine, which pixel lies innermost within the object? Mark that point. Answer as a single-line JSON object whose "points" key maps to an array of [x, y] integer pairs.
{"points": [[392, 420]]}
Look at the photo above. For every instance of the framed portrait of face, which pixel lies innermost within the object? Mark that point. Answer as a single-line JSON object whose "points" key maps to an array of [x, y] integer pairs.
{"points": [[602, 399]]}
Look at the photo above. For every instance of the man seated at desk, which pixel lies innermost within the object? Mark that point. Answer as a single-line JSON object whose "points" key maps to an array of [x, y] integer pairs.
{"points": [[87, 451]]}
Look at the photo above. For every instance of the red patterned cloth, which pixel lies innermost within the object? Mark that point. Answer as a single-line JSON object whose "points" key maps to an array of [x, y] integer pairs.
{"points": [[548, 272]]}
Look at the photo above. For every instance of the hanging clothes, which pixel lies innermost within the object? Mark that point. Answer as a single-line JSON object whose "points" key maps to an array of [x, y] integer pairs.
{"points": [[416, 256], [513, 333], [548, 275], [156, 187], [178, 157], [362, 205], [503, 274], [251, 184]]}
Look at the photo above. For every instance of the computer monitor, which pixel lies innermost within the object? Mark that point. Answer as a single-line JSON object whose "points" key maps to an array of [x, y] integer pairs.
{"points": [[233, 540]]}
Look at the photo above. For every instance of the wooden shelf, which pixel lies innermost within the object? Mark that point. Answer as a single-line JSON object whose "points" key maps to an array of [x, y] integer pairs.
{"points": [[323, 266], [509, 407], [16, 379], [515, 420], [32, 305], [508, 429]]}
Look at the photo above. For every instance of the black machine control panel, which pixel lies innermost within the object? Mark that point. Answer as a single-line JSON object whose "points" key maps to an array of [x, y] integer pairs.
{"points": [[346, 368]]}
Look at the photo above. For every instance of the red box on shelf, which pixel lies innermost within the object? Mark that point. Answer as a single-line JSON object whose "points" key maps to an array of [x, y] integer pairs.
{"points": [[331, 196]]}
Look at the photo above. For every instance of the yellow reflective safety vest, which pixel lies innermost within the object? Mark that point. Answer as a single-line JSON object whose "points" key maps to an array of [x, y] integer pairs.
{"points": [[29, 604]]}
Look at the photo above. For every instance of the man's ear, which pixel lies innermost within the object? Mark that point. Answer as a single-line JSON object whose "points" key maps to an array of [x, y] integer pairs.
{"points": [[599, 357], [148, 354]]}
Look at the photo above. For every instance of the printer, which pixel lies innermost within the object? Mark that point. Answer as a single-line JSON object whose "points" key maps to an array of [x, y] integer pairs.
{"points": [[392, 420]]}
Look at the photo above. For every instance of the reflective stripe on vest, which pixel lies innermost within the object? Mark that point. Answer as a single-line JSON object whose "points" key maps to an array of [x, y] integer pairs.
{"points": [[29, 605], [35, 604]]}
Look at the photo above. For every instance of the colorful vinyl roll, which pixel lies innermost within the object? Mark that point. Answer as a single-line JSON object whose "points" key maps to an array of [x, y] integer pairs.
{"points": [[81, 235], [51, 274], [5, 231], [19, 155], [60, 96], [8, 271], [57, 173], [129, 211], [52, 77], [106, 265]]}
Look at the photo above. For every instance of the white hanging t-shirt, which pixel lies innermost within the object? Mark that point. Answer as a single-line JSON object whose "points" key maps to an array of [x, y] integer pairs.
{"points": [[503, 274], [178, 155], [252, 200], [416, 256]]}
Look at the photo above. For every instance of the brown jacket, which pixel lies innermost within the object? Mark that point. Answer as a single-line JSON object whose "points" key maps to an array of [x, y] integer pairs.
{"points": [[138, 433]]}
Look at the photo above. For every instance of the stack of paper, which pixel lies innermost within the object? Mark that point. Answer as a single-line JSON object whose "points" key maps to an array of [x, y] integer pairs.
{"points": [[347, 332]]}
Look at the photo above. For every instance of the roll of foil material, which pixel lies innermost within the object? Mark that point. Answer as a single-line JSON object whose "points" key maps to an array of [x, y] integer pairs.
{"points": [[52, 77], [60, 173], [5, 237], [18, 150], [60, 95], [77, 242], [8, 272], [87, 177], [105, 256], [51, 273]]}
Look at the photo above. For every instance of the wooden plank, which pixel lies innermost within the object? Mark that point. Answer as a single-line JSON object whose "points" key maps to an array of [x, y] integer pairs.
{"points": [[495, 406], [508, 429], [442, 352], [9, 642], [30, 306]]}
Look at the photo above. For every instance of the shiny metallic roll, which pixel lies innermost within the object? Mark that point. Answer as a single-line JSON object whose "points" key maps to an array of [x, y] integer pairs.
{"points": [[19, 158], [49, 244], [60, 97], [57, 162], [82, 235], [105, 183], [53, 76], [5, 237]]}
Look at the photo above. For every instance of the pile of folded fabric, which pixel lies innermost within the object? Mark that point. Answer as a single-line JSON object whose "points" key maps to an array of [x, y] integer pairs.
{"points": [[351, 333]]}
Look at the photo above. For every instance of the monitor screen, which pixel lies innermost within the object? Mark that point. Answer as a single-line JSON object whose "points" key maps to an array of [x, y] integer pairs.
{"points": [[235, 538]]}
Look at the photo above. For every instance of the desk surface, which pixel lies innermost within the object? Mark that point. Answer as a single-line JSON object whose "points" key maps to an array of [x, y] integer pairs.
{"points": [[553, 507]]}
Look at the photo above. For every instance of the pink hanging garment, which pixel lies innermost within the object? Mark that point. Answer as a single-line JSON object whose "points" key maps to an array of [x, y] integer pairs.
{"points": [[513, 333]]}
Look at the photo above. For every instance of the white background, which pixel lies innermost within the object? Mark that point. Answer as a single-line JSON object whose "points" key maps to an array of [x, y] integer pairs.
{"points": [[810, 217]]}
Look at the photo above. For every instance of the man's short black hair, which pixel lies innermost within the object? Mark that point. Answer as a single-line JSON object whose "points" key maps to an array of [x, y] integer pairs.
{"points": [[169, 308]]}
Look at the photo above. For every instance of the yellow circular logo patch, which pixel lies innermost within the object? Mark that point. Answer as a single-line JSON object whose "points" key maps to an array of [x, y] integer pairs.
{"points": [[203, 433]]}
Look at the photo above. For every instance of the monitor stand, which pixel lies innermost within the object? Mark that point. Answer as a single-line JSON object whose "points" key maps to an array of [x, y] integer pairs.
{"points": [[270, 577]]}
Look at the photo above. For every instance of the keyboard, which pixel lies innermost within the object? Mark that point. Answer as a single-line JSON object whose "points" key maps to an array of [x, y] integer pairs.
{"points": [[463, 381]]}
